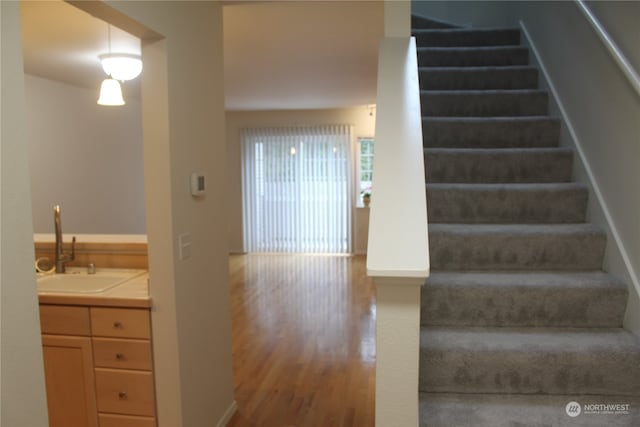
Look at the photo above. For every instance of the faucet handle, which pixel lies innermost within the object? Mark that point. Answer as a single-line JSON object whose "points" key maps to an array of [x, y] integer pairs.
{"points": [[73, 249]]}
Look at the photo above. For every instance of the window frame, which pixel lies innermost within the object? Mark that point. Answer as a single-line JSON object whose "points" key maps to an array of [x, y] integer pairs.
{"points": [[371, 155]]}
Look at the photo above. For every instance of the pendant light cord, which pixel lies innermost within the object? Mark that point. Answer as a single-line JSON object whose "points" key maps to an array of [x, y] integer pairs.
{"points": [[109, 42]]}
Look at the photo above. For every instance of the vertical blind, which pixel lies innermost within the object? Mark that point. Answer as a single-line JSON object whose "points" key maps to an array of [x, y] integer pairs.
{"points": [[297, 184]]}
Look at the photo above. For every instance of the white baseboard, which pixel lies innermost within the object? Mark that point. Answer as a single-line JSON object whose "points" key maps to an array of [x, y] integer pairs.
{"points": [[226, 417], [613, 231]]}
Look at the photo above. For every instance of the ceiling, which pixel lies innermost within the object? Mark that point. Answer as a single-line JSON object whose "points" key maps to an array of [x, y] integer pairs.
{"points": [[277, 55]]}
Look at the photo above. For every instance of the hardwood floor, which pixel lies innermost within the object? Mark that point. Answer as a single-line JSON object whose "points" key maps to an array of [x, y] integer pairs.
{"points": [[304, 346]]}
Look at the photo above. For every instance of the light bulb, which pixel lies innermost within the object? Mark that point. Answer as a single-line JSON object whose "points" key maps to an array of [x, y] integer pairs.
{"points": [[110, 93]]}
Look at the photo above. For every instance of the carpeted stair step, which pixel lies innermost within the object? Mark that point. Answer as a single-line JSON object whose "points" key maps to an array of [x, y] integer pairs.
{"points": [[484, 103], [490, 132], [506, 203], [498, 165], [516, 247], [529, 360], [552, 299], [467, 37], [421, 22], [472, 56], [517, 317], [478, 78], [509, 410]]}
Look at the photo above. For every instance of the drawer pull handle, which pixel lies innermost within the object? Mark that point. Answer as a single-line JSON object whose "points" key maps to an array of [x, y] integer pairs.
{"points": [[120, 356], [122, 395], [117, 324]]}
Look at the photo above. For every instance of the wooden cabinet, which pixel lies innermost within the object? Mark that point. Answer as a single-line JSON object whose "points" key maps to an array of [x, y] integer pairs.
{"points": [[69, 377], [113, 420], [122, 355], [125, 392], [68, 366], [120, 322], [65, 320], [98, 366]]}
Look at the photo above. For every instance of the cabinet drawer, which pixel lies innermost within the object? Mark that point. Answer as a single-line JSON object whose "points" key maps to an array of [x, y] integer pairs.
{"points": [[120, 322], [125, 392], [64, 320], [122, 354], [113, 420]]}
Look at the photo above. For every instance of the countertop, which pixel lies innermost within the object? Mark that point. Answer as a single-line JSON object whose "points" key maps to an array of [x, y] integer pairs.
{"points": [[133, 293]]}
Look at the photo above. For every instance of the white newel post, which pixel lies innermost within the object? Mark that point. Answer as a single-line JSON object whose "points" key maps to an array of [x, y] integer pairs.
{"points": [[398, 250], [398, 335]]}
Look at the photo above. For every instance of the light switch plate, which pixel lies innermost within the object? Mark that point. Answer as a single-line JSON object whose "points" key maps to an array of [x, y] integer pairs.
{"points": [[198, 184], [184, 246]]}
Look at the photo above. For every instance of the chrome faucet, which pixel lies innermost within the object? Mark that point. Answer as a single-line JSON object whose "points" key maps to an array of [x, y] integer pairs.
{"points": [[61, 258]]}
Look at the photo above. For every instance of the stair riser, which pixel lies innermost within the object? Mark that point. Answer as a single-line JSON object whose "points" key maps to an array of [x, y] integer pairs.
{"points": [[476, 166], [451, 204], [419, 22], [483, 104], [493, 78], [515, 251], [494, 305], [486, 371], [450, 38], [472, 57], [509, 410], [490, 133]]}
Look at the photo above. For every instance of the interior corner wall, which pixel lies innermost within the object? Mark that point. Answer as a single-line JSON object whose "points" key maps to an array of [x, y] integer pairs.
{"points": [[184, 132], [359, 117], [397, 18], [468, 13], [21, 369], [603, 109], [85, 157]]}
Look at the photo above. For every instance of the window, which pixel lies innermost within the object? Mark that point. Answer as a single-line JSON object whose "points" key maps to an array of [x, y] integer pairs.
{"points": [[297, 189], [366, 146]]}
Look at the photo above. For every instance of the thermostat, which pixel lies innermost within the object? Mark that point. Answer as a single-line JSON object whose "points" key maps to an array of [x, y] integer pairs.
{"points": [[198, 184]]}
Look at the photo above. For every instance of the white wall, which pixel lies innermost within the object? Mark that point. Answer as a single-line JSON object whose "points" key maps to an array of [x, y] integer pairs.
{"points": [[21, 367], [603, 111], [85, 157], [397, 18], [184, 131], [620, 18], [469, 13], [363, 126]]}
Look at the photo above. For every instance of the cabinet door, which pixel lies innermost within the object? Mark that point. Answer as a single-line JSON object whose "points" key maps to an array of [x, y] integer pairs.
{"points": [[70, 381]]}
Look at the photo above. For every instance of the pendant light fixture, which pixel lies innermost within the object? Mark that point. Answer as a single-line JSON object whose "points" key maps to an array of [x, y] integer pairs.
{"points": [[121, 66], [118, 66], [110, 93]]}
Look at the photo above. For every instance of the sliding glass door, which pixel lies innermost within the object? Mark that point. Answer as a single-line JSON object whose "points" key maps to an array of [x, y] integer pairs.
{"points": [[297, 189]]}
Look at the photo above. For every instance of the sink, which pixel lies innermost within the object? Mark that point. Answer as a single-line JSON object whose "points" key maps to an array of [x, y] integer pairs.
{"points": [[79, 281]]}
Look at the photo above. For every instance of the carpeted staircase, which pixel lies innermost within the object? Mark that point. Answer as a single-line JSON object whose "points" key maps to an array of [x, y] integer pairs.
{"points": [[517, 319]]}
